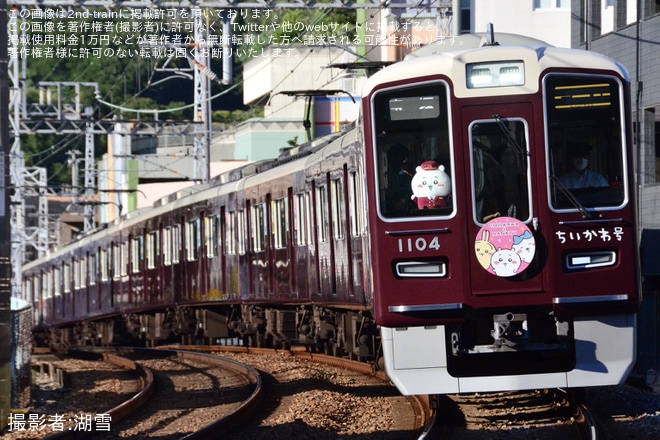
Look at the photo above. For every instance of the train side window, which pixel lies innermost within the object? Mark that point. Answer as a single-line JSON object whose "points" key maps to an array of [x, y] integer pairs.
{"points": [[322, 213], [152, 251], [167, 246], [82, 268], [355, 210], [57, 279], [137, 255], [176, 244], [116, 261], [258, 227], [280, 222], [500, 169], [412, 135], [93, 267], [76, 274], [104, 265], [123, 262], [67, 278], [192, 240], [49, 283], [230, 233], [211, 235], [586, 141], [241, 231], [338, 208], [300, 219]]}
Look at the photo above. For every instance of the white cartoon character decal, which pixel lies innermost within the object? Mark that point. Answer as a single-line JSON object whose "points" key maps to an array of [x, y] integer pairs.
{"points": [[505, 247], [505, 262], [525, 246], [430, 186]]}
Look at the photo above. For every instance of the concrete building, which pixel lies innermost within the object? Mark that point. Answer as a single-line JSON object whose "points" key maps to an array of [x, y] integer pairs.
{"points": [[629, 32]]}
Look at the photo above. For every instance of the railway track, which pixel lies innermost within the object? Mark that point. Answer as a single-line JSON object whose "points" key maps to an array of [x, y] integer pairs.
{"points": [[538, 414], [195, 396], [293, 394], [317, 396], [201, 391]]}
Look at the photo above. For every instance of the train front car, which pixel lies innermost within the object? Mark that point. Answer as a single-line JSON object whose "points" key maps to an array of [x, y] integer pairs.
{"points": [[502, 218]]}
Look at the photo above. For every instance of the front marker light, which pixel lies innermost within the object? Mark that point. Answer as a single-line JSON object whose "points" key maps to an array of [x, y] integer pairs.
{"points": [[421, 269]]}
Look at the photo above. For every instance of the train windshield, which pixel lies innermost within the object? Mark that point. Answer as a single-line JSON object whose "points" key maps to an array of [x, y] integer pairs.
{"points": [[500, 169], [586, 142], [413, 157]]}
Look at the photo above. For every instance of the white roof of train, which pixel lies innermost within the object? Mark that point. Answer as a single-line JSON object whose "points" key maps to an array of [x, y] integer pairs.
{"points": [[451, 57]]}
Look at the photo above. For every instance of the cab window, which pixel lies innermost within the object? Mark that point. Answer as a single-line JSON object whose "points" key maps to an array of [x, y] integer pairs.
{"points": [[585, 141], [412, 150]]}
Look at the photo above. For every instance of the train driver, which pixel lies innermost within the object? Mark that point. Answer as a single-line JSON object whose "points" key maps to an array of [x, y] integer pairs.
{"points": [[580, 176]]}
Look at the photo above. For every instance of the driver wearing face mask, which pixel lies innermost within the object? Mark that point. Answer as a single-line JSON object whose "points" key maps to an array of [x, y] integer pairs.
{"points": [[581, 176]]}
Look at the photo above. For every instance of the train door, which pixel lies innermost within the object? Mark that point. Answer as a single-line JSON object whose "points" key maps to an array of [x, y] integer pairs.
{"points": [[324, 244], [259, 250], [502, 199], [282, 249], [341, 253]]}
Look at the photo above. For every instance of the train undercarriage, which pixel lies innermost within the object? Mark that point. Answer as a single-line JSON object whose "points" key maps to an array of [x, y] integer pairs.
{"points": [[335, 332]]}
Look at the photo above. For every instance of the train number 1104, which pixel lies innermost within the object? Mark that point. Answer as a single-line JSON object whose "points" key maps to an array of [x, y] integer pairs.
{"points": [[418, 244]]}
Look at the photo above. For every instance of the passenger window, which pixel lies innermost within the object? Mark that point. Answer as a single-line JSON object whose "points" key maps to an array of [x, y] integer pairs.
{"points": [[193, 240], [211, 235], [230, 238], [280, 222], [137, 255], [258, 227], [322, 216], [338, 208]]}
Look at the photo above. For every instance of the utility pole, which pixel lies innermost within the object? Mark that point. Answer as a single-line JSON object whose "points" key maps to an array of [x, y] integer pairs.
{"points": [[5, 225]]}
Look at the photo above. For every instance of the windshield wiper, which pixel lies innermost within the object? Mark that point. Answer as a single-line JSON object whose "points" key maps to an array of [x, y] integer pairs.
{"points": [[500, 123], [589, 215]]}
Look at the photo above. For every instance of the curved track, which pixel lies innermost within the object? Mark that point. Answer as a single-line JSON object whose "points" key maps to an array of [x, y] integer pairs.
{"points": [[414, 415], [174, 386]]}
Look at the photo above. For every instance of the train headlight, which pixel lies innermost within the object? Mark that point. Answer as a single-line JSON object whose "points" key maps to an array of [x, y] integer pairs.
{"points": [[590, 260], [499, 74], [421, 269]]}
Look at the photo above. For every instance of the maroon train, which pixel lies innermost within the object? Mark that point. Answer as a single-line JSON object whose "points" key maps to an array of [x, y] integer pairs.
{"points": [[453, 235]]}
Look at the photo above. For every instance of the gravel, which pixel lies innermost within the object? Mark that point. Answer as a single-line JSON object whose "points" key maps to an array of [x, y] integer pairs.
{"points": [[313, 401]]}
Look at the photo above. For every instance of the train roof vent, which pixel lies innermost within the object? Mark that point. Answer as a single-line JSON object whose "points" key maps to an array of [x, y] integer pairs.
{"points": [[292, 153], [186, 192], [162, 201], [257, 167]]}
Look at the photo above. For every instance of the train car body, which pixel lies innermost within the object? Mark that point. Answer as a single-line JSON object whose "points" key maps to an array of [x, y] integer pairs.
{"points": [[447, 228], [519, 278]]}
